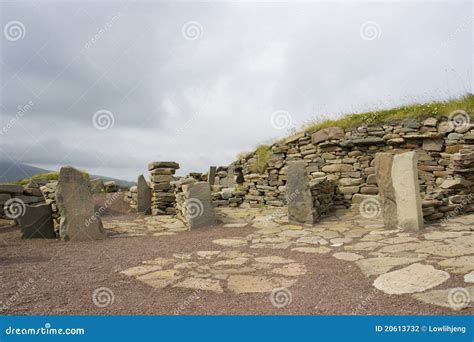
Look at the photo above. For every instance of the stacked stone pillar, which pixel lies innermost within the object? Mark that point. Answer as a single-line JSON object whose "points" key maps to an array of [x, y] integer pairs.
{"points": [[162, 195]]}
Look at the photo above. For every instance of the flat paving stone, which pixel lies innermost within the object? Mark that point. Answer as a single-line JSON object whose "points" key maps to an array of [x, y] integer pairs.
{"points": [[273, 260], [469, 278], [291, 270], [347, 256], [204, 284], [454, 298], [315, 250], [256, 284], [230, 242], [313, 240], [459, 265], [413, 278], [140, 270], [376, 266]]}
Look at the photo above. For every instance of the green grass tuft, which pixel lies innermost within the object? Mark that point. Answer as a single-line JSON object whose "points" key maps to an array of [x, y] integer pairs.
{"points": [[415, 111], [261, 158]]}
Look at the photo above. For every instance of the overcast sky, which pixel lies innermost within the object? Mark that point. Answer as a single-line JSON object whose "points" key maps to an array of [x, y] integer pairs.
{"points": [[110, 86]]}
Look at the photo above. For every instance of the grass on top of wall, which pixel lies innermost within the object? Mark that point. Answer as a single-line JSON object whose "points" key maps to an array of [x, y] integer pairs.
{"points": [[419, 110]]}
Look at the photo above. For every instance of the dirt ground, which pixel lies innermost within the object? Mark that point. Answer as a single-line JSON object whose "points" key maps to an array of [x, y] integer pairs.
{"points": [[53, 277]]}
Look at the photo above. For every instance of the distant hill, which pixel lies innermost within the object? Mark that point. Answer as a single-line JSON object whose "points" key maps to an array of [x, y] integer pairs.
{"points": [[11, 172]]}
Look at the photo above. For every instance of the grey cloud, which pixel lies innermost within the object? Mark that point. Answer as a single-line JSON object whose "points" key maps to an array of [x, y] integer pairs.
{"points": [[202, 101]]}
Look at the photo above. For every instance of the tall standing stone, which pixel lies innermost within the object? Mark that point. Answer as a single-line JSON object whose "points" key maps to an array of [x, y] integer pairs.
{"points": [[79, 221], [388, 205], [143, 196], [300, 201], [199, 209], [407, 191], [211, 178], [37, 222]]}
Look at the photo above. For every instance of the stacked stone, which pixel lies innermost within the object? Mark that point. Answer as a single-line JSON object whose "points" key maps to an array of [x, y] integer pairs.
{"points": [[226, 185], [14, 198], [461, 182], [49, 194], [346, 156], [163, 197], [131, 197], [181, 191], [111, 186], [323, 191]]}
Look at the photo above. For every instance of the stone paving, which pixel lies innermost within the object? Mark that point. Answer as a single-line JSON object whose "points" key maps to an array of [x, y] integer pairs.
{"points": [[399, 262]]}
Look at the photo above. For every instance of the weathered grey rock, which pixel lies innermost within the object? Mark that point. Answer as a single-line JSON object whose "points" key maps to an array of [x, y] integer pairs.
{"points": [[11, 188], [327, 134], [229, 180], [97, 186], [76, 207], [143, 196], [37, 222], [199, 209], [300, 201], [407, 191], [388, 205], [163, 164], [212, 175]]}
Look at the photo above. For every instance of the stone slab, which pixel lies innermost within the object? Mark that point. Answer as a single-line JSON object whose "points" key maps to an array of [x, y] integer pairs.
{"points": [[407, 191]]}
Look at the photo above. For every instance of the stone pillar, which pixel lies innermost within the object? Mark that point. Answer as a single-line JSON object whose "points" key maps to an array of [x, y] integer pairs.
{"points": [[388, 205], [143, 196], [211, 178], [199, 209], [300, 200], [162, 199], [407, 191], [79, 220]]}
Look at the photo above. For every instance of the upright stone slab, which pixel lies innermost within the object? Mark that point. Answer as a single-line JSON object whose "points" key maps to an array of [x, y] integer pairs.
{"points": [[37, 222], [407, 191], [388, 205], [300, 201], [199, 209], [211, 178], [143, 196], [79, 221], [229, 180]]}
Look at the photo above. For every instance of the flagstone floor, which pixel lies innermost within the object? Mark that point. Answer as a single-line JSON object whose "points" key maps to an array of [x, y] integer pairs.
{"points": [[399, 262]]}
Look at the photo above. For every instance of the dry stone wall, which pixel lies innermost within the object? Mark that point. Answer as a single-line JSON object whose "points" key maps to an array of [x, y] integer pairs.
{"points": [[346, 156]]}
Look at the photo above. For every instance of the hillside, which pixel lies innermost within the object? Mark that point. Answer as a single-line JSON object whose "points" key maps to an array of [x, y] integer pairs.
{"points": [[15, 172]]}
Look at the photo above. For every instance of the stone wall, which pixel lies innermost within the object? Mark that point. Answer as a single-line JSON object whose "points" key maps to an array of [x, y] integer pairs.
{"points": [[13, 198], [49, 193], [346, 156]]}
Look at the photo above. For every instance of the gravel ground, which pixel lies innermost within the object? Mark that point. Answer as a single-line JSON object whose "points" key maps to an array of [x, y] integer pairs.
{"points": [[51, 277]]}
